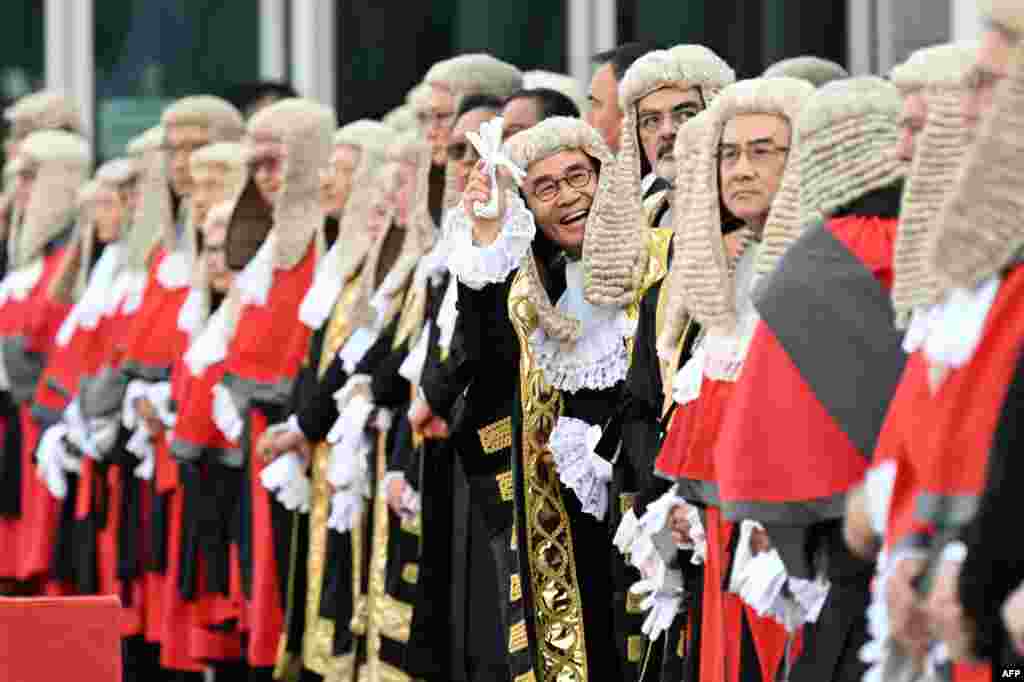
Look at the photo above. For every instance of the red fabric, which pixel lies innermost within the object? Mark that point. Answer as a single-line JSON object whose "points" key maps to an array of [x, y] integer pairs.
{"points": [[269, 346], [972, 672], [40, 511], [969, 400], [70, 638], [722, 613], [263, 615], [909, 412], [156, 319], [690, 443], [775, 414], [195, 425]]}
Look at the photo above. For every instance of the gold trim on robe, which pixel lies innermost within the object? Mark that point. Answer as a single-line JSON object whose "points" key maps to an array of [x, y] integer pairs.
{"points": [[318, 642]]}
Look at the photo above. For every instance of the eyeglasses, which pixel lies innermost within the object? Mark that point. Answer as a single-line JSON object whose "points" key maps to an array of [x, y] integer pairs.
{"points": [[978, 79], [547, 190], [462, 152], [760, 154], [443, 119], [651, 122]]}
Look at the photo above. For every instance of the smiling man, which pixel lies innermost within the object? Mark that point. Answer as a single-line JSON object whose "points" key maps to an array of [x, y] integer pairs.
{"points": [[561, 365]]}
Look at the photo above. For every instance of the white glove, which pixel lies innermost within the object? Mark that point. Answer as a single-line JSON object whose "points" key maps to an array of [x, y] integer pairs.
{"points": [[346, 507], [146, 467], [226, 415], [104, 434], [664, 598], [627, 532], [50, 454], [159, 396], [286, 478]]}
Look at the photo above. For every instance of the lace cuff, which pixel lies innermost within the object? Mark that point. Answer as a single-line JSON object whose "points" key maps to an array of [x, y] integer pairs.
{"points": [[327, 285], [356, 348], [580, 468], [411, 368], [478, 266]]}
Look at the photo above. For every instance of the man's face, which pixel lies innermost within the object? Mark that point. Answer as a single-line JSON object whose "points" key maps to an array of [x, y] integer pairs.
{"points": [[23, 184], [108, 214], [181, 141], [214, 235], [658, 117], [129, 194], [461, 154], [380, 215], [605, 115], [520, 114], [559, 191], [915, 111], [991, 65], [437, 122], [336, 179], [209, 187], [405, 191], [267, 169], [752, 158]]}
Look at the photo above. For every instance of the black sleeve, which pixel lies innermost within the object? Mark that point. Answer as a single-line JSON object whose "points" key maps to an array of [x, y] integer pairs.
{"points": [[994, 566], [318, 411], [641, 409], [483, 332], [305, 382], [390, 389]]}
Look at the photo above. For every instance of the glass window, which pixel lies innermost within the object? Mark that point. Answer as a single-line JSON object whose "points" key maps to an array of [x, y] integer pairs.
{"points": [[150, 53], [22, 50]]}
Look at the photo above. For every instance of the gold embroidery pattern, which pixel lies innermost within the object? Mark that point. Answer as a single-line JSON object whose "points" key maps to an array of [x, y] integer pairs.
{"points": [[526, 677], [515, 588], [410, 322], [557, 611], [359, 616], [505, 488], [633, 603], [634, 648], [412, 526], [376, 589], [318, 642], [394, 617], [497, 436], [411, 573], [384, 673], [342, 668], [626, 502], [517, 640], [513, 544]]}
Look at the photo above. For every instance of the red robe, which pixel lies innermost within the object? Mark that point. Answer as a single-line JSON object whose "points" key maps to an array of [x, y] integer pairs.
{"points": [[268, 348], [36, 318]]}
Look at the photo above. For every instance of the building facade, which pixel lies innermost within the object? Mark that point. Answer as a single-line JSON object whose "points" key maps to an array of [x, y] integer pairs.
{"points": [[124, 59]]}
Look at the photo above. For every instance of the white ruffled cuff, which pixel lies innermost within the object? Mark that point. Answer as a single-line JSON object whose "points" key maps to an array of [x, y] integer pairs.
{"points": [[580, 469], [103, 431], [293, 425], [226, 415], [477, 266], [351, 446], [356, 385], [698, 539], [810, 596]]}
